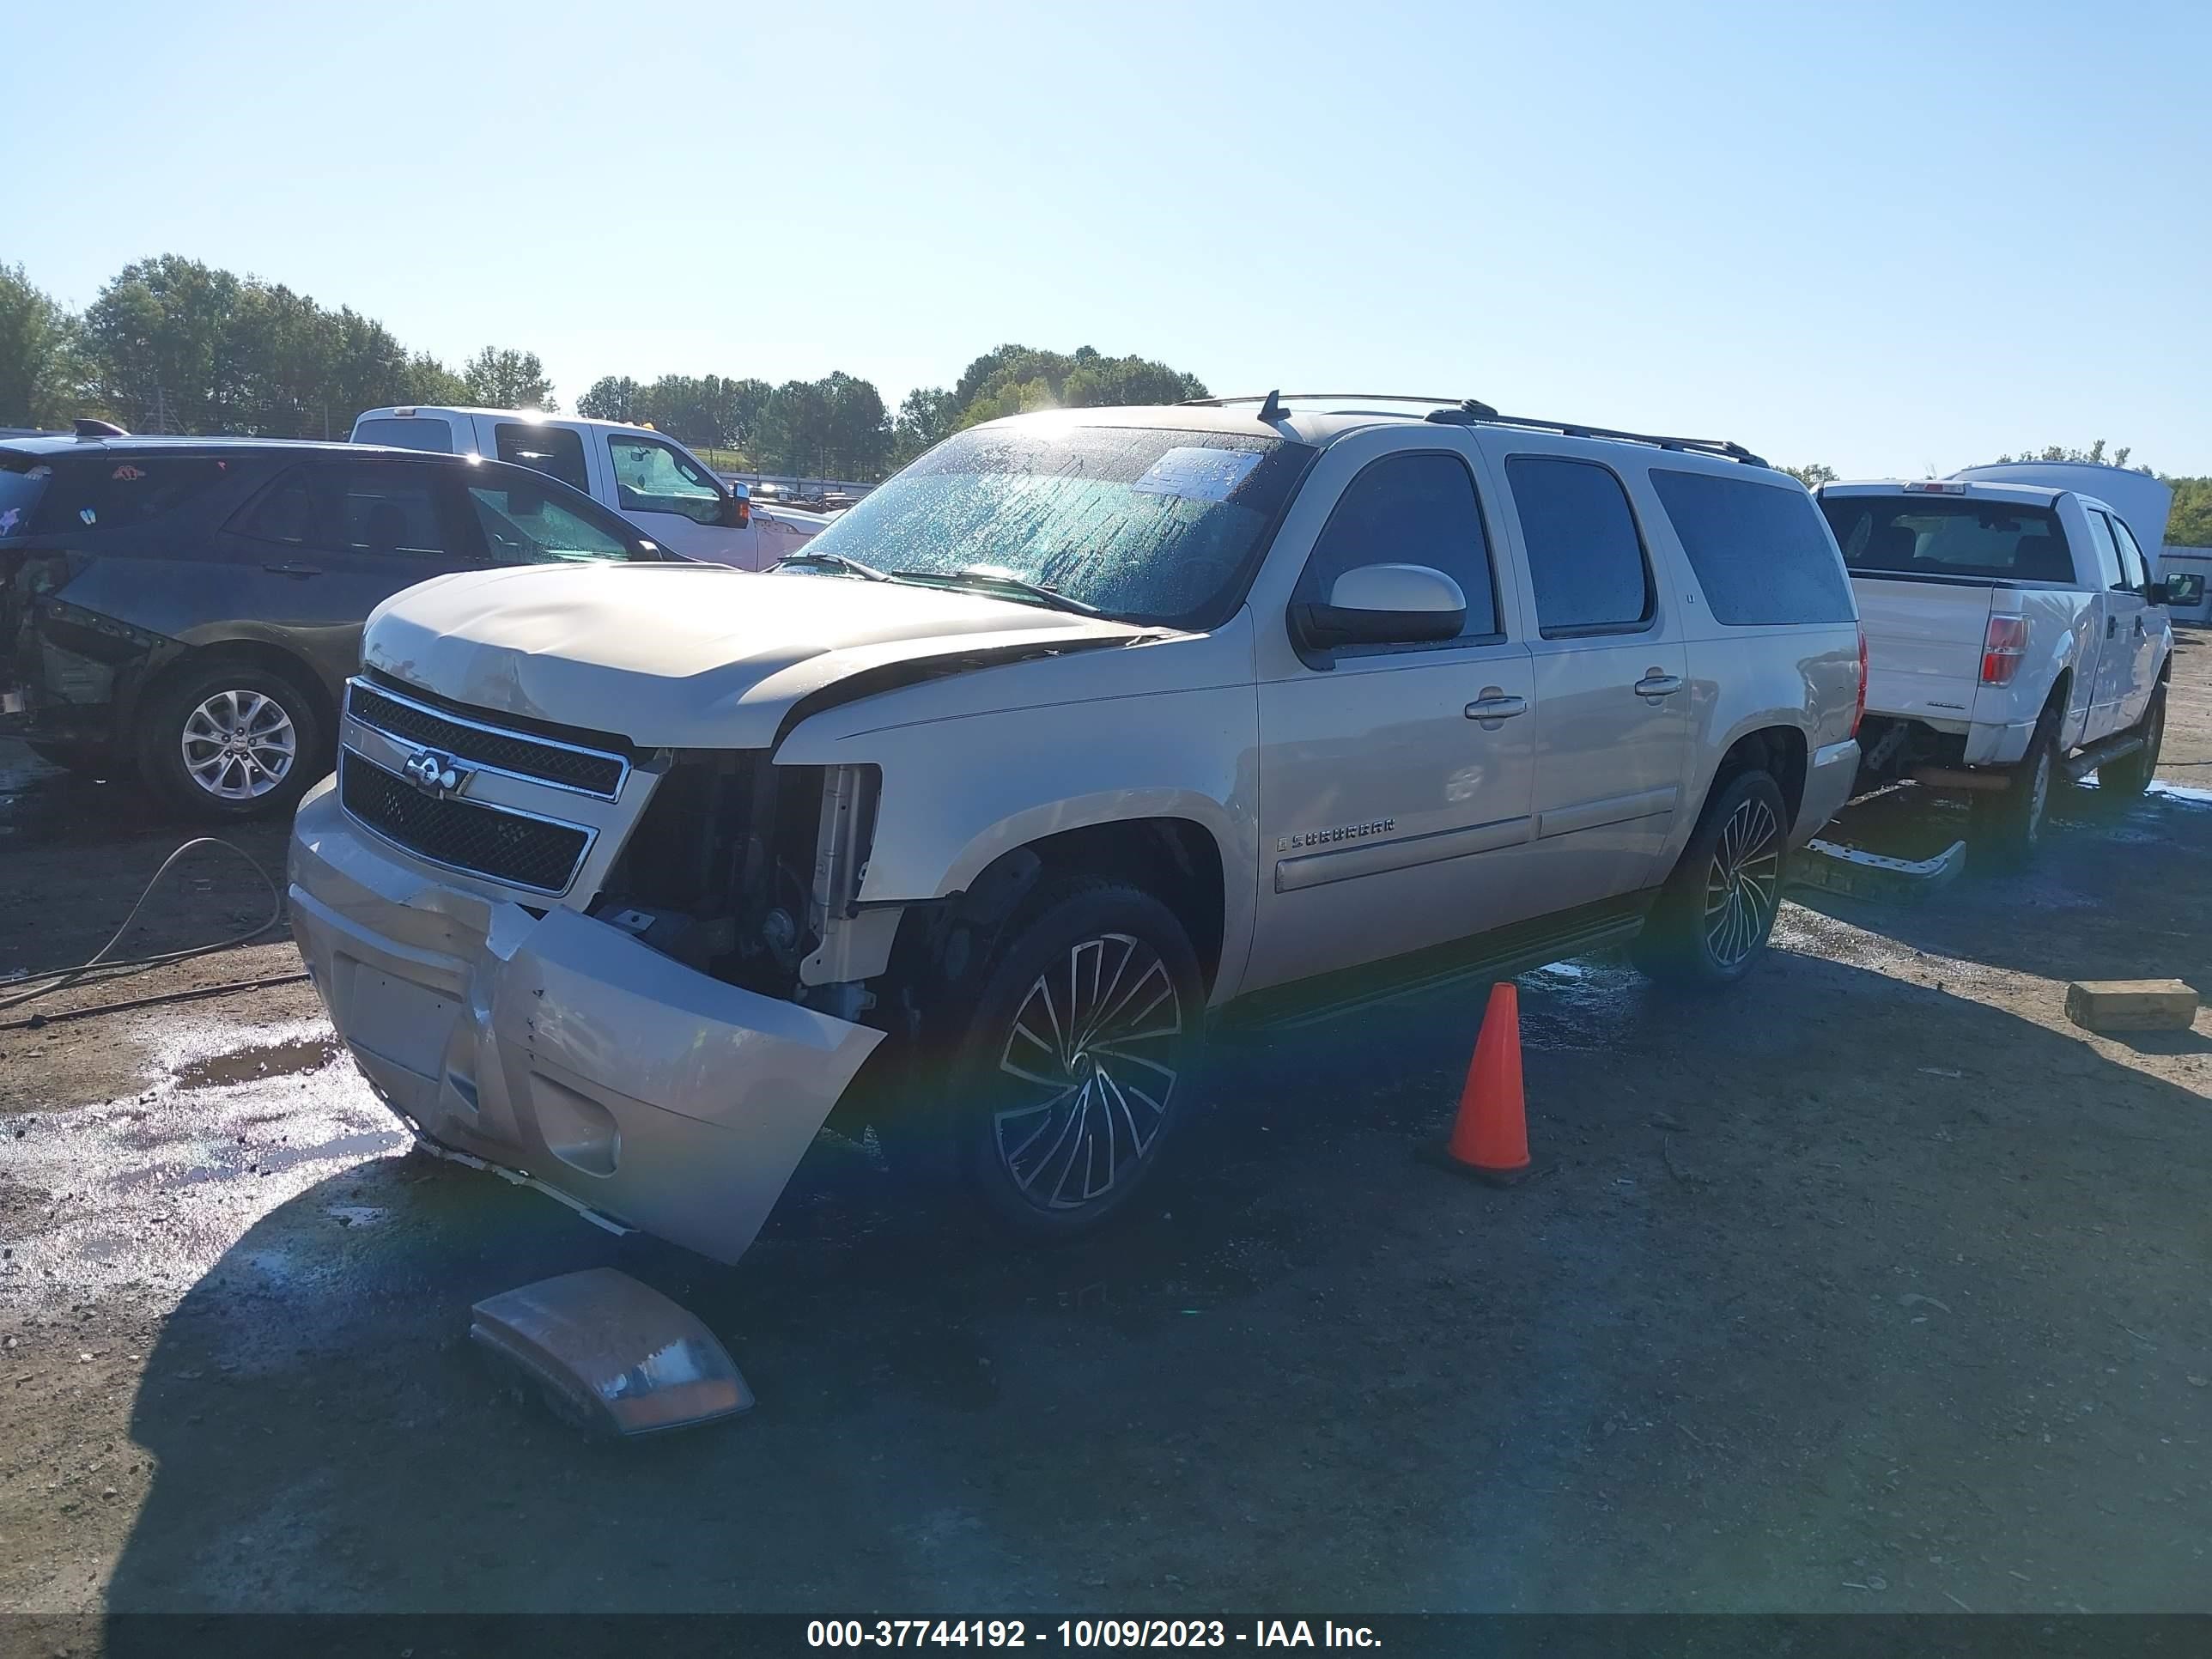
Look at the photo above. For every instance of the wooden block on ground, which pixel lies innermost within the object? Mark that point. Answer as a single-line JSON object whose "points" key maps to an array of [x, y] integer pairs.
{"points": [[2131, 1005]]}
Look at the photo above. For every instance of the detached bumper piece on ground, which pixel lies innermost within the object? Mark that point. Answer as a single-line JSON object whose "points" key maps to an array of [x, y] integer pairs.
{"points": [[612, 1356]]}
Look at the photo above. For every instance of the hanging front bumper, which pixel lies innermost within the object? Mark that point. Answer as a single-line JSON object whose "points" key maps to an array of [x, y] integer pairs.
{"points": [[559, 1046]]}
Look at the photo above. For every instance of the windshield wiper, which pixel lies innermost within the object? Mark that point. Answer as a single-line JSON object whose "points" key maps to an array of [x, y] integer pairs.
{"points": [[1002, 581], [827, 561]]}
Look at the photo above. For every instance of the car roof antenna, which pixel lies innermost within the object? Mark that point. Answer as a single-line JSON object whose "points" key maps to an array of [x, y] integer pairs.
{"points": [[1272, 410], [88, 427]]}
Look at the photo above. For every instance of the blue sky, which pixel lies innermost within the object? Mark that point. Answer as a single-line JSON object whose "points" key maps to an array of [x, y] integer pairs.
{"points": [[1885, 237]]}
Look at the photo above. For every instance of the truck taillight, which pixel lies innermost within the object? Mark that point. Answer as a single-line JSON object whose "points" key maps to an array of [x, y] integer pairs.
{"points": [[1858, 715], [2001, 650]]}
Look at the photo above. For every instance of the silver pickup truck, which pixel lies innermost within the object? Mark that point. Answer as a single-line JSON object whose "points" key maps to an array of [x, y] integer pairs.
{"points": [[1085, 732]]}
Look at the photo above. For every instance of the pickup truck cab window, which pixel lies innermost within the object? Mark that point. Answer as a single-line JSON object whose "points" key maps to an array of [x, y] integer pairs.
{"points": [[1586, 558], [429, 433], [1416, 508], [2132, 571], [2109, 572], [1933, 536], [553, 450], [650, 476]]}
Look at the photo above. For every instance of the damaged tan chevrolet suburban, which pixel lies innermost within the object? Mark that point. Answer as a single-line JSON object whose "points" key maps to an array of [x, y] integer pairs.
{"points": [[1085, 732]]}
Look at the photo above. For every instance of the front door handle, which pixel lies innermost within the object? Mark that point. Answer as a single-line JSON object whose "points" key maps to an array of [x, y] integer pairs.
{"points": [[2112, 626], [2139, 628], [1495, 705], [1656, 684], [294, 569]]}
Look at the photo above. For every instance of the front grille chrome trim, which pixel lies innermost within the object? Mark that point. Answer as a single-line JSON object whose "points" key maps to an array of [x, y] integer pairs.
{"points": [[370, 688], [351, 756]]}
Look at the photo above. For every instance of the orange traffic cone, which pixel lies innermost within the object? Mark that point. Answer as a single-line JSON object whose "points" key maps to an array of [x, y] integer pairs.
{"points": [[1490, 1138]]}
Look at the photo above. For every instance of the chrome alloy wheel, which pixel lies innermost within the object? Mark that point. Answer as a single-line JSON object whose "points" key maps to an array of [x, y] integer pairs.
{"points": [[1090, 1070], [238, 745], [1744, 885]]}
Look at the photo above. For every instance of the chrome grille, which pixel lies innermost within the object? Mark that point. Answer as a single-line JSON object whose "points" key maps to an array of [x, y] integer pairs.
{"points": [[488, 748], [515, 849]]}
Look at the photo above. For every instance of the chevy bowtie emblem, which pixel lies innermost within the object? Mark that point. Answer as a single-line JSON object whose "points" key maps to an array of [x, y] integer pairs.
{"points": [[433, 774]]}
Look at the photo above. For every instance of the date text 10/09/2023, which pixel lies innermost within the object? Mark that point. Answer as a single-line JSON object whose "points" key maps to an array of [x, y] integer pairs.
{"points": [[1084, 1634]]}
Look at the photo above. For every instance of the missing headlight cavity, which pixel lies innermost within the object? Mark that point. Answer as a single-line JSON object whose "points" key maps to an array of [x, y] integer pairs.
{"points": [[744, 870]]}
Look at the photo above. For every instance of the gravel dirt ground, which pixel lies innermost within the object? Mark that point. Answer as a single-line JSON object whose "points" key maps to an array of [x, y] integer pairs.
{"points": [[1871, 1285]]}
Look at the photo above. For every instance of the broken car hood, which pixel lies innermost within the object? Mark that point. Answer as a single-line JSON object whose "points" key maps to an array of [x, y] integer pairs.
{"points": [[688, 656]]}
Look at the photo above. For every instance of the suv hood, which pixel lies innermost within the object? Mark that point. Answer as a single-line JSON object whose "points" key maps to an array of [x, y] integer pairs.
{"points": [[692, 656]]}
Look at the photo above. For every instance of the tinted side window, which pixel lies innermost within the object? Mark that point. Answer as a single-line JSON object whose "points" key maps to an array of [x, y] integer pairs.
{"points": [[1408, 509], [551, 449], [283, 513], [1762, 552], [2131, 558], [392, 510], [1584, 555], [2106, 551], [524, 525], [114, 492]]}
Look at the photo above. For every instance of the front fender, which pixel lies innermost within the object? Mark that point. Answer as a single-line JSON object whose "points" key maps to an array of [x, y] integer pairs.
{"points": [[959, 792]]}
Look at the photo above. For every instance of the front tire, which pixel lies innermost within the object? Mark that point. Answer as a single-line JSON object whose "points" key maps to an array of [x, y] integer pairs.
{"points": [[229, 741], [2131, 775], [1715, 914], [1074, 1067]]}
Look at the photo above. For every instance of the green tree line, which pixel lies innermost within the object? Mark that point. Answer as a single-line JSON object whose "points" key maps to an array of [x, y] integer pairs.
{"points": [[174, 345], [837, 427], [171, 344]]}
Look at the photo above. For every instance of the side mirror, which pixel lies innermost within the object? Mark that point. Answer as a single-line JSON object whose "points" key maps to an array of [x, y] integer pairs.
{"points": [[2183, 588], [737, 512], [1382, 605]]}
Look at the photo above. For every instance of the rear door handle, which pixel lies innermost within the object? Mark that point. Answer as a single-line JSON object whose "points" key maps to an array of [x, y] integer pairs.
{"points": [[1656, 684], [1495, 705], [294, 569], [2112, 626]]}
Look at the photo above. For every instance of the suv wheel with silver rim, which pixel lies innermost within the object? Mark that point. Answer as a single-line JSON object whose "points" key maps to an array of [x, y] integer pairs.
{"points": [[1075, 1066], [1714, 915], [229, 740], [239, 745]]}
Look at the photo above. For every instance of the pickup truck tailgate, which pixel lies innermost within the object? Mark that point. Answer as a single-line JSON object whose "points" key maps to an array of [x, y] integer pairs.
{"points": [[1924, 643]]}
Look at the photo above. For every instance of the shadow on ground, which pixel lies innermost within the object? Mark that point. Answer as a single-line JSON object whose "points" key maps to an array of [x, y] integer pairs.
{"points": [[1775, 1332]]}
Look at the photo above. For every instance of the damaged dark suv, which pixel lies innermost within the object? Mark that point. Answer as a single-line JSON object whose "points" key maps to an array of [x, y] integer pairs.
{"points": [[190, 608]]}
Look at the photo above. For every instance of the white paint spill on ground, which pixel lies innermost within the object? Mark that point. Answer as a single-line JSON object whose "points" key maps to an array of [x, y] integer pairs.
{"points": [[152, 1189]]}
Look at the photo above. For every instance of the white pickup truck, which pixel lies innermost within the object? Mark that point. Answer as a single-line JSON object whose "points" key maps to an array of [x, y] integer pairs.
{"points": [[2014, 636], [645, 476]]}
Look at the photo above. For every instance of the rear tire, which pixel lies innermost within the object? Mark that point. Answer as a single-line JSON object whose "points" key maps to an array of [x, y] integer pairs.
{"points": [[2131, 775], [2007, 826], [1715, 914], [1075, 1065], [229, 741]]}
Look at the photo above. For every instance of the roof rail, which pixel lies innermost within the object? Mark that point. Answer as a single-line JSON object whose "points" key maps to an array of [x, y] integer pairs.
{"points": [[1469, 411]]}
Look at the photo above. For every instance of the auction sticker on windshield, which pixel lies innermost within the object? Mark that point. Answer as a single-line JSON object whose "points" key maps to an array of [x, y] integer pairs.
{"points": [[1198, 474]]}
